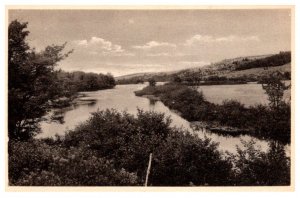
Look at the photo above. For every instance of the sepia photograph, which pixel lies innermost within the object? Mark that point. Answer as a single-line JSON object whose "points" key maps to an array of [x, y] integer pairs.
{"points": [[150, 96]]}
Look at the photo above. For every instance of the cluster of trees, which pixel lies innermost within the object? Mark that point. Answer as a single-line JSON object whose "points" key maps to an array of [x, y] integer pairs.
{"points": [[113, 149], [271, 121], [77, 81], [35, 86], [160, 77], [32, 81], [196, 79], [133, 80]]}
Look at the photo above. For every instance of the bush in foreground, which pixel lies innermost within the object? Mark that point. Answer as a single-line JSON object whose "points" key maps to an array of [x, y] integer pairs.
{"points": [[112, 149], [255, 167], [37, 163]]}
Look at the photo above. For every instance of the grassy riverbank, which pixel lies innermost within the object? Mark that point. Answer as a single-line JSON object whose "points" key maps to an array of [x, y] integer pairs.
{"points": [[229, 118]]}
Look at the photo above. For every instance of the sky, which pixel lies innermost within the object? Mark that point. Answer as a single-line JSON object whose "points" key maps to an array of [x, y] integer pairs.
{"points": [[123, 42]]}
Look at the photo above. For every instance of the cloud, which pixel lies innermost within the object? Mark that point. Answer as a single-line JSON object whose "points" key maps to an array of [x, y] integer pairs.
{"points": [[196, 39], [81, 42], [154, 44], [99, 45]]}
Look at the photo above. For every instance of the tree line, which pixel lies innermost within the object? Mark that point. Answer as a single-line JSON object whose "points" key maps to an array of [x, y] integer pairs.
{"points": [[79, 81], [271, 61]]}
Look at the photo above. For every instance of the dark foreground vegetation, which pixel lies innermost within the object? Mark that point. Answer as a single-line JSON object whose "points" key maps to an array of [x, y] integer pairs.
{"points": [[113, 149], [272, 122]]}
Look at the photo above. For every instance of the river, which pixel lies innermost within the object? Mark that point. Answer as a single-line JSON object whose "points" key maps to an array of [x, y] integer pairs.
{"points": [[122, 98]]}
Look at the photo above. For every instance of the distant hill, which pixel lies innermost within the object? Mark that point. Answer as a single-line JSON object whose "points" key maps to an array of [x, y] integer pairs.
{"points": [[258, 71], [248, 67], [145, 75]]}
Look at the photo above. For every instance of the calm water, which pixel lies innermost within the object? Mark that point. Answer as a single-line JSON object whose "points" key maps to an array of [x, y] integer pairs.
{"points": [[122, 98], [248, 94]]}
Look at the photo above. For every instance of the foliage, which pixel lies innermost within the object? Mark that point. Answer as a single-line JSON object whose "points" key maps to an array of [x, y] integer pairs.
{"points": [[158, 90], [177, 79], [112, 148], [34, 86], [259, 121], [152, 82], [271, 61], [255, 167], [30, 81], [133, 80], [114, 135], [232, 113], [184, 159], [127, 141], [37, 163], [73, 82], [274, 88]]}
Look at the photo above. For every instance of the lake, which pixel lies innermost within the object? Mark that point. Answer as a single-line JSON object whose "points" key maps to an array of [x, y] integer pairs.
{"points": [[122, 98]]}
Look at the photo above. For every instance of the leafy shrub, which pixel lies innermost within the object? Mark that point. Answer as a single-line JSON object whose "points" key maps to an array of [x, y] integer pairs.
{"points": [[232, 113], [121, 137], [112, 149], [39, 164], [179, 158], [184, 159], [255, 167], [152, 82]]}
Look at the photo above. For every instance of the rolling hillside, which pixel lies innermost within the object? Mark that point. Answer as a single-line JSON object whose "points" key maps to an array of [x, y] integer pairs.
{"points": [[249, 68]]}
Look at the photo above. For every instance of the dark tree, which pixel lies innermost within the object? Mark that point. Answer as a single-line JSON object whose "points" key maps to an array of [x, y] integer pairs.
{"points": [[152, 82], [31, 82], [278, 122], [177, 79], [274, 88]]}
